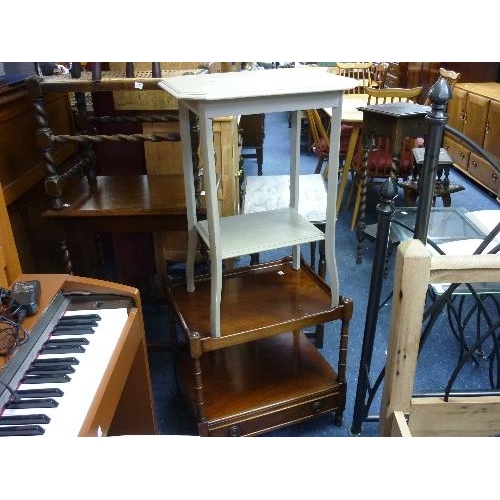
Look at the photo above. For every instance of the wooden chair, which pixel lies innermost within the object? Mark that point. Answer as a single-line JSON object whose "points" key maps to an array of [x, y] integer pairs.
{"points": [[379, 163], [361, 71], [379, 74], [321, 142], [385, 95], [319, 137]]}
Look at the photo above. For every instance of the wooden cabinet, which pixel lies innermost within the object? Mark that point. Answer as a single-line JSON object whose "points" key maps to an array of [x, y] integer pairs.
{"points": [[492, 132], [476, 113], [474, 110], [456, 108]]}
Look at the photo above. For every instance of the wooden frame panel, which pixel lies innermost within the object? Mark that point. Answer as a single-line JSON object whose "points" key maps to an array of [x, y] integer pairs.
{"points": [[415, 269]]}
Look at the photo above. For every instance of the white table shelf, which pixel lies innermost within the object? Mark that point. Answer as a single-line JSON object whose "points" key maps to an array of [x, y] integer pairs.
{"points": [[269, 230], [231, 94]]}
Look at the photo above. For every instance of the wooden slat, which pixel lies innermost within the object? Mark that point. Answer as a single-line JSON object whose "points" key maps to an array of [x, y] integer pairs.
{"points": [[462, 417], [464, 268], [411, 281]]}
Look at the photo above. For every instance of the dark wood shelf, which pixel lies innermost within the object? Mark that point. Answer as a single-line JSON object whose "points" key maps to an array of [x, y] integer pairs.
{"points": [[146, 202], [263, 385], [257, 301]]}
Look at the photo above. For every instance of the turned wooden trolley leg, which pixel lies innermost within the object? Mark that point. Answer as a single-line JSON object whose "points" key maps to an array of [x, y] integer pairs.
{"points": [[341, 371], [199, 396]]}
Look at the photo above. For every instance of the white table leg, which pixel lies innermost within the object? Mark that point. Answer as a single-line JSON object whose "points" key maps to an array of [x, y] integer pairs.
{"points": [[187, 166], [214, 237], [331, 205]]}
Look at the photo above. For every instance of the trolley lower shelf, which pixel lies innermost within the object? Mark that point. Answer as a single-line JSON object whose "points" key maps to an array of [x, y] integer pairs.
{"points": [[266, 384]]}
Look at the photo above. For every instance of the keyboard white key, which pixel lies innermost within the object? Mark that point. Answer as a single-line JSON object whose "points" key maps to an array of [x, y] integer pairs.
{"points": [[68, 417]]}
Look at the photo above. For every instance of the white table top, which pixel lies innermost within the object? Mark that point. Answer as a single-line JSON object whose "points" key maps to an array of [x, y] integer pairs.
{"points": [[244, 84]]}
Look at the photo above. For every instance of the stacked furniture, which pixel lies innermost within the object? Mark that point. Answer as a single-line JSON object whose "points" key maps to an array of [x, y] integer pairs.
{"points": [[474, 110], [250, 369]]}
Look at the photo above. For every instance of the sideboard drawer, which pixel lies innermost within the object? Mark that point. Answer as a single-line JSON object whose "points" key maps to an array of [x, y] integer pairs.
{"points": [[484, 173], [458, 153]]}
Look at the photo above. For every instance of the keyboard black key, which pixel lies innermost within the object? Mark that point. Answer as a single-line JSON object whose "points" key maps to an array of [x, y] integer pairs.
{"points": [[24, 419], [69, 360], [59, 368], [40, 393], [77, 341], [72, 330], [32, 403], [21, 430], [45, 379], [82, 317], [64, 349], [59, 365], [75, 326]]}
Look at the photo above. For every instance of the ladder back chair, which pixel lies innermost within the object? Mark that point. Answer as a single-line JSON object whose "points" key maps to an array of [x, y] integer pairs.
{"points": [[379, 74], [320, 136], [360, 71]]}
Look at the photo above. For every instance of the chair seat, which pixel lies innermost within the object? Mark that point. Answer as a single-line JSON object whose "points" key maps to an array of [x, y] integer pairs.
{"points": [[271, 192], [380, 159]]}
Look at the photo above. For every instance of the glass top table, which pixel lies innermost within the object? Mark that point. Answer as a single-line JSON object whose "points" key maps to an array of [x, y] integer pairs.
{"points": [[451, 230], [445, 224]]}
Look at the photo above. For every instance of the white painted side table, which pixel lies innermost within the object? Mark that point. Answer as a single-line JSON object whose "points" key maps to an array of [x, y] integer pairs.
{"points": [[239, 93]]}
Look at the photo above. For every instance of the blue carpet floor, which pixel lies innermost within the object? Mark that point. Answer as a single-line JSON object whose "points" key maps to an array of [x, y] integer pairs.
{"points": [[173, 415]]}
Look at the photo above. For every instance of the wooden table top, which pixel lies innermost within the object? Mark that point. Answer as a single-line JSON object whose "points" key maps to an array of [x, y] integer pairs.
{"points": [[118, 195], [350, 103]]}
